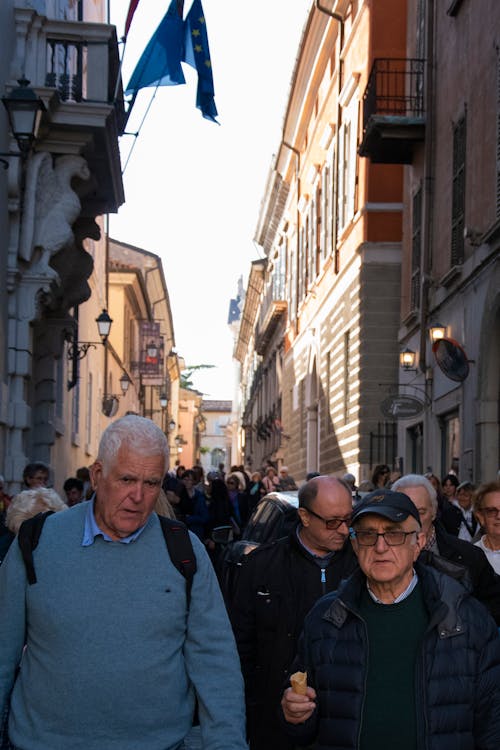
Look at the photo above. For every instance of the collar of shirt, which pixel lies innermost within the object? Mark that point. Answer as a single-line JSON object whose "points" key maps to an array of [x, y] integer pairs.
{"points": [[91, 529], [467, 514], [399, 598], [320, 559]]}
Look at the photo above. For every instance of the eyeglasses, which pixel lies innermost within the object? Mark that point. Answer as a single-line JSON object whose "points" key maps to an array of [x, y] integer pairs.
{"points": [[391, 538], [331, 523], [490, 512]]}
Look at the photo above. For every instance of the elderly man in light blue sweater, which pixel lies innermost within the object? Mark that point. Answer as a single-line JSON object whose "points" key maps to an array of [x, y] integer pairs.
{"points": [[114, 656]]}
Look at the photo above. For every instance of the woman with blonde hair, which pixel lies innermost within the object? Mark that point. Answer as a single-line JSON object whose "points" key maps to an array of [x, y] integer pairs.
{"points": [[30, 502]]}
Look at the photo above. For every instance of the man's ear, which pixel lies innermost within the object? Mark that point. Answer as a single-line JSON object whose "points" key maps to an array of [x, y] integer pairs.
{"points": [[420, 543], [95, 473], [304, 517]]}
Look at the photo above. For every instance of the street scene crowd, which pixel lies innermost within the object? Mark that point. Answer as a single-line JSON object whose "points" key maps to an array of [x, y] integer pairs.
{"points": [[116, 630]]}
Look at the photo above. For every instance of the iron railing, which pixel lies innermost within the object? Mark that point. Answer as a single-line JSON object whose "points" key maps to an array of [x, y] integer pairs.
{"points": [[395, 87]]}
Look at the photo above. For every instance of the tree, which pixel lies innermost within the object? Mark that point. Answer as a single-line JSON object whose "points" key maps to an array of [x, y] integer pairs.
{"points": [[186, 375]]}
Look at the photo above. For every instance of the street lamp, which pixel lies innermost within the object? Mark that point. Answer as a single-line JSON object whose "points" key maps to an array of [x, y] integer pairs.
{"points": [[124, 383], [407, 360], [152, 350], [104, 325], [437, 331], [163, 400], [24, 110], [79, 349]]}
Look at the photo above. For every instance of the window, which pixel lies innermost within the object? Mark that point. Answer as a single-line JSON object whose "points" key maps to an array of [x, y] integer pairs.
{"points": [[416, 448], [88, 418], [347, 164], [59, 387], [450, 444], [75, 412], [416, 250], [347, 373], [302, 411], [292, 283], [312, 244], [326, 228], [279, 275], [458, 194], [328, 394]]}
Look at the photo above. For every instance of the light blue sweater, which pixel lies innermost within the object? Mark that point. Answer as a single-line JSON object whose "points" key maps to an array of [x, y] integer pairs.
{"points": [[111, 660]]}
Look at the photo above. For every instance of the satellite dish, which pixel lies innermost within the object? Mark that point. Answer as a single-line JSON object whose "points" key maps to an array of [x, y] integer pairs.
{"points": [[109, 406]]}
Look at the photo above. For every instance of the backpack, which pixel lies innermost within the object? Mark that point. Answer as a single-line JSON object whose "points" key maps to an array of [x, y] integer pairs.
{"points": [[175, 533]]}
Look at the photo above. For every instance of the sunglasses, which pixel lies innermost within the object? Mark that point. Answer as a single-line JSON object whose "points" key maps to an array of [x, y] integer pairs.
{"points": [[331, 523]]}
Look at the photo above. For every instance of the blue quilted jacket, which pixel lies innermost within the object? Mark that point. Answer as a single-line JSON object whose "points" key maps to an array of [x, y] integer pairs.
{"points": [[457, 674]]}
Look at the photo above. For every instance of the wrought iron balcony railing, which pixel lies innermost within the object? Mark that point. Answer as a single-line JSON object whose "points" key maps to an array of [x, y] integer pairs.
{"points": [[393, 109]]}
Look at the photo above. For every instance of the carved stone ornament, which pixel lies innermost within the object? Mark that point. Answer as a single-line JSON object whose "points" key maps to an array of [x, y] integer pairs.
{"points": [[51, 206]]}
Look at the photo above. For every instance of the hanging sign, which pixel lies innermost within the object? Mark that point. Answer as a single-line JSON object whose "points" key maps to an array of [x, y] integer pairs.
{"points": [[401, 407]]}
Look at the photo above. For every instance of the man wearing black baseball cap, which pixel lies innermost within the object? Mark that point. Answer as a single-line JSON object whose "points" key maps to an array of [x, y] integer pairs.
{"points": [[401, 655]]}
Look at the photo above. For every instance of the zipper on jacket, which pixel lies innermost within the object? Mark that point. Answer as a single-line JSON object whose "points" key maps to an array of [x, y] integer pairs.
{"points": [[323, 580]]}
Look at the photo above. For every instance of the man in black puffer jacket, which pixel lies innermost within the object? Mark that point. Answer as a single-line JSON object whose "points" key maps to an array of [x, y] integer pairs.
{"points": [[401, 656], [277, 586]]}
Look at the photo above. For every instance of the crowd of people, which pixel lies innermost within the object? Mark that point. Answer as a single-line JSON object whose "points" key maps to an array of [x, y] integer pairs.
{"points": [[385, 595]]}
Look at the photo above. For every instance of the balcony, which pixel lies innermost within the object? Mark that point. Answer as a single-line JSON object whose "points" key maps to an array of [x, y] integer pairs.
{"points": [[74, 67], [271, 312], [393, 111]]}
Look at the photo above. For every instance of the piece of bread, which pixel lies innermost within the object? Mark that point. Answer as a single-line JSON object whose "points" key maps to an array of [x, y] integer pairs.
{"points": [[298, 681]]}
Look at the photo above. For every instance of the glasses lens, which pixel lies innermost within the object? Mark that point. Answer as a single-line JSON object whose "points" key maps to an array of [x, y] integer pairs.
{"points": [[391, 538], [366, 538], [334, 523], [491, 512], [394, 538]]}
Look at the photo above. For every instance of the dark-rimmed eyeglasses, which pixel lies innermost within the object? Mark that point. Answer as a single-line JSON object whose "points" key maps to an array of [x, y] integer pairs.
{"points": [[490, 512], [331, 523], [391, 538]]}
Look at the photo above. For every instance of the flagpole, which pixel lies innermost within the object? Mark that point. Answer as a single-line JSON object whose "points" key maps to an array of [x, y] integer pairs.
{"points": [[123, 40], [136, 135]]}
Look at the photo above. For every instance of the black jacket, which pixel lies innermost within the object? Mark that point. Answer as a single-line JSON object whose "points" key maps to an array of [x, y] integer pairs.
{"points": [[482, 580], [277, 586], [457, 670]]}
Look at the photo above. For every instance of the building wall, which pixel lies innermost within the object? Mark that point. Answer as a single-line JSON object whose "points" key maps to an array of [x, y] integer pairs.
{"points": [[340, 338], [463, 295]]}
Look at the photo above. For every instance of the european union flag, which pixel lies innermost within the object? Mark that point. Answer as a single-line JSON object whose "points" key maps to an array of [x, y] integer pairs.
{"points": [[197, 54], [173, 42], [160, 63], [234, 311]]}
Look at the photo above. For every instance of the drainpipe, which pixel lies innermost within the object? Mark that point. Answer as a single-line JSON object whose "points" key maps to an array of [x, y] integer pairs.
{"points": [[427, 212], [331, 13]]}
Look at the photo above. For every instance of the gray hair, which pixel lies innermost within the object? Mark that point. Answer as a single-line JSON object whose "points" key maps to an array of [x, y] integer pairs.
{"points": [[28, 503], [417, 480], [140, 435]]}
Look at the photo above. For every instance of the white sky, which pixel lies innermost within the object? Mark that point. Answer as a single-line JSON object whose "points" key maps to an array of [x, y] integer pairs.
{"points": [[192, 188]]}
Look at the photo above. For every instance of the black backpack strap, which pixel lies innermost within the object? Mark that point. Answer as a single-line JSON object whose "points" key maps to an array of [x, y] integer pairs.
{"points": [[28, 538], [180, 550]]}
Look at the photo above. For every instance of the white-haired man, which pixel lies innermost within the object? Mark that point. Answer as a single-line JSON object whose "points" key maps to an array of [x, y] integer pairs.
{"points": [[452, 555], [115, 654]]}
